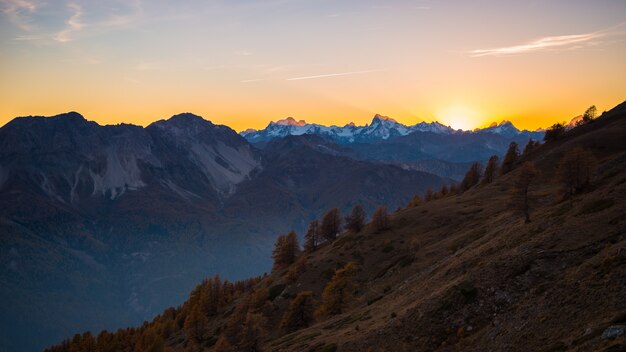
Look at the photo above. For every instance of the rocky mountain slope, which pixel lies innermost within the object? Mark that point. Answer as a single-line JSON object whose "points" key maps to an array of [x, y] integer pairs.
{"points": [[104, 226], [461, 272]]}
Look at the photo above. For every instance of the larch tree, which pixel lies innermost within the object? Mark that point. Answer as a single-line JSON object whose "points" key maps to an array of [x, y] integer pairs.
{"points": [[299, 315], [590, 114], [530, 146], [429, 195], [510, 159], [443, 192], [251, 334], [311, 238], [490, 170], [415, 201], [356, 220], [339, 293], [286, 249], [331, 225], [520, 193], [554, 132], [472, 177], [380, 219], [575, 170], [196, 325]]}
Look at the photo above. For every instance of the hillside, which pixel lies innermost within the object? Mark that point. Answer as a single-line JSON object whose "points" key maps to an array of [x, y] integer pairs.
{"points": [[462, 272], [105, 226]]}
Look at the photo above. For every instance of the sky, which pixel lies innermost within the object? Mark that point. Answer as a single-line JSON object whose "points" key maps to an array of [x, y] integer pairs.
{"points": [[243, 63]]}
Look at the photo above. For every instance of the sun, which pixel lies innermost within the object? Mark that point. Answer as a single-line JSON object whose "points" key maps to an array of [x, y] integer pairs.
{"points": [[460, 117]]}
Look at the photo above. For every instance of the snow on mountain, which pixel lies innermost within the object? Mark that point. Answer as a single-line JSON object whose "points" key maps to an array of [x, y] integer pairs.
{"points": [[507, 129], [504, 128], [381, 128]]}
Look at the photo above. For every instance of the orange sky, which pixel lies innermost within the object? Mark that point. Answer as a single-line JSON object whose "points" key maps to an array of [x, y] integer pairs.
{"points": [[330, 62]]}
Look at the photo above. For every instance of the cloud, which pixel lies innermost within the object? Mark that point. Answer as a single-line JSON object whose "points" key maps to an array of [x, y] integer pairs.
{"points": [[73, 24], [15, 11], [334, 74], [563, 42], [253, 80]]}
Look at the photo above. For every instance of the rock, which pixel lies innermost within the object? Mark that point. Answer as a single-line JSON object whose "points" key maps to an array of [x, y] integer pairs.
{"points": [[613, 331]]}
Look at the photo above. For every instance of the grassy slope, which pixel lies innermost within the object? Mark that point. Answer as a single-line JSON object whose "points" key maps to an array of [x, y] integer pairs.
{"points": [[552, 284]]}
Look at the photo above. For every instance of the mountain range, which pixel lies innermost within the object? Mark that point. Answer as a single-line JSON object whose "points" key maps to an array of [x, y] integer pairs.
{"points": [[519, 262], [429, 147], [381, 128], [104, 226]]}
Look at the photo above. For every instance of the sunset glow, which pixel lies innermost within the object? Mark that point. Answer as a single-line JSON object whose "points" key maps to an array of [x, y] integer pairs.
{"points": [[248, 62]]}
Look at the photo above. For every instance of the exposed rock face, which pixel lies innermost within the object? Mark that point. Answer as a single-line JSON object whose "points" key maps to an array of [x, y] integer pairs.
{"points": [[121, 221]]}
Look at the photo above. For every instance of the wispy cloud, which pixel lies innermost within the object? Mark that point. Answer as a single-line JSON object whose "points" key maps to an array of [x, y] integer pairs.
{"points": [[562, 42], [17, 11], [335, 74], [73, 24], [253, 80]]}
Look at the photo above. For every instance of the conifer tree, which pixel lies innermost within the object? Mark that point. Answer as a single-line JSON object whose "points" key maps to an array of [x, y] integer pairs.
{"points": [[311, 239], [520, 193], [472, 177], [444, 191], [415, 201], [339, 292], [356, 220], [251, 334], [554, 132], [429, 195], [510, 159], [530, 146], [278, 255], [299, 315], [196, 325], [296, 269], [286, 249], [590, 114], [490, 170], [575, 170], [331, 225], [380, 219]]}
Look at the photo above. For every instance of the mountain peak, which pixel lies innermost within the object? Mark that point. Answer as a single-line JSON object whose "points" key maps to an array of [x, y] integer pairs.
{"points": [[186, 116], [72, 115], [249, 130], [379, 117], [289, 121]]}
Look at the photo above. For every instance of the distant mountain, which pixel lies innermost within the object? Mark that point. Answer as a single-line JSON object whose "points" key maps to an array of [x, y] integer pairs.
{"points": [[104, 226], [430, 147], [381, 128], [507, 129]]}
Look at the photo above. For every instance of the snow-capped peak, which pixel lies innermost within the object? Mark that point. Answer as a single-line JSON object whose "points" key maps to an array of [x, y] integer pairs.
{"points": [[505, 128], [248, 131], [379, 117], [289, 121]]}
